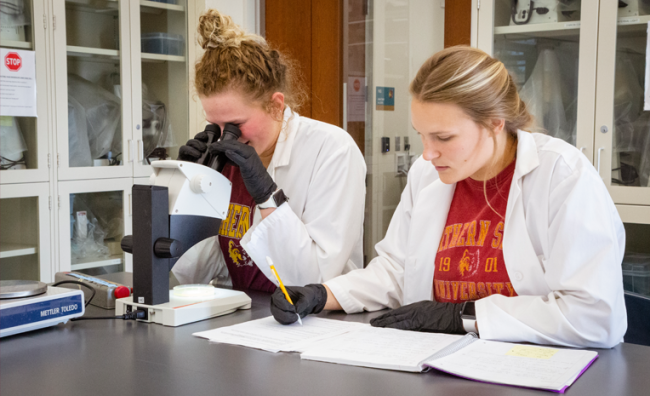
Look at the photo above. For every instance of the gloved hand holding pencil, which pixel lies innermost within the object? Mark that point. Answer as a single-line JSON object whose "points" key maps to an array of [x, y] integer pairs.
{"points": [[307, 300]]}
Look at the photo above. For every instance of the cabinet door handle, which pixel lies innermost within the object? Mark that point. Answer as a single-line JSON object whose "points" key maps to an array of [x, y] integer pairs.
{"points": [[598, 164], [140, 151], [130, 150]]}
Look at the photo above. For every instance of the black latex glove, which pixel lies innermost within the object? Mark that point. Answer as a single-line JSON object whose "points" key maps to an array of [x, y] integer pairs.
{"points": [[258, 182], [308, 300], [194, 148], [430, 316]]}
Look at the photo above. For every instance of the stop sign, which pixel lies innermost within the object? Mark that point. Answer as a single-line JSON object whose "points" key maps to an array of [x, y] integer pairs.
{"points": [[13, 61]]}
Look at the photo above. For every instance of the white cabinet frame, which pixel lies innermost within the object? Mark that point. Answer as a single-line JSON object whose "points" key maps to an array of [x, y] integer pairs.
{"points": [[607, 37], [41, 191]]}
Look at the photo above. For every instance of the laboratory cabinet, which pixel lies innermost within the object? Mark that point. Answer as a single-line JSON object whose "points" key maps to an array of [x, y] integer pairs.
{"points": [[113, 81], [25, 233], [24, 148], [123, 67], [93, 216], [581, 67]]}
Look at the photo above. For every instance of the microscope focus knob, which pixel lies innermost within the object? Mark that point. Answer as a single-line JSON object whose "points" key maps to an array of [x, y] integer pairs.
{"points": [[200, 184], [127, 243], [167, 248]]}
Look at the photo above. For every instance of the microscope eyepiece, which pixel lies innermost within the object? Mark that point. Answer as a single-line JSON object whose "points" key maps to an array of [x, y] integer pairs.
{"points": [[230, 132]]}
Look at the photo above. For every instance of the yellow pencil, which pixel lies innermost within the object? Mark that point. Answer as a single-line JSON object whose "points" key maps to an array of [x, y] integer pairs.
{"points": [[275, 273]]}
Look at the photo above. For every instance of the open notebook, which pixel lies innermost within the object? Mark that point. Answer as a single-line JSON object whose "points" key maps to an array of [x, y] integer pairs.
{"points": [[466, 356]]}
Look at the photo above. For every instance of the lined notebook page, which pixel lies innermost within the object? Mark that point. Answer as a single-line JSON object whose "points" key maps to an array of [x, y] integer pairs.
{"points": [[380, 348], [521, 365], [269, 335]]}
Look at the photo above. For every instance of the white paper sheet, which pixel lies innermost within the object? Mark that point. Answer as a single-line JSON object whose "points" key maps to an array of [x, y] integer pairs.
{"points": [[381, 348], [489, 361], [269, 335], [18, 81]]}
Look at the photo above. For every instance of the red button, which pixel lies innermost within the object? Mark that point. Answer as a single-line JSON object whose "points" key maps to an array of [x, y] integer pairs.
{"points": [[121, 292]]}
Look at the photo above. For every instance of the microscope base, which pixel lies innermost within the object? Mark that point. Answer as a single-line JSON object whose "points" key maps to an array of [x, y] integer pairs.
{"points": [[182, 310]]}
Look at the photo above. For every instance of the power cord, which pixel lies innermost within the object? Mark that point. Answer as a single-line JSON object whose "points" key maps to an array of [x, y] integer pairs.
{"points": [[80, 284], [137, 314]]}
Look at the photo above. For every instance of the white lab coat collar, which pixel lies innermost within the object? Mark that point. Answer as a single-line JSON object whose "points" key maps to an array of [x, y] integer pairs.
{"points": [[282, 153], [527, 161], [527, 157]]}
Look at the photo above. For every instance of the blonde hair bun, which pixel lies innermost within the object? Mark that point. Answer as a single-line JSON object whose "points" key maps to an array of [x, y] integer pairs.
{"points": [[219, 31]]}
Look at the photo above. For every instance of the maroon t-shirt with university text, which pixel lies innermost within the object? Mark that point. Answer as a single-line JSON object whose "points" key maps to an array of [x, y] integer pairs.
{"points": [[469, 263], [243, 271]]}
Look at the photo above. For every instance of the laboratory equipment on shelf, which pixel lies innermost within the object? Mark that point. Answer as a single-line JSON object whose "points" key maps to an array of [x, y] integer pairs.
{"points": [[184, 205], [544, 11], [94, 137], [12, 144], [627, 8], [13, 19]]}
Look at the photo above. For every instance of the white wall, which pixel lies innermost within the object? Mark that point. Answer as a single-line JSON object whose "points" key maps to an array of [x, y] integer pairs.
{"points": [[245, 13]]}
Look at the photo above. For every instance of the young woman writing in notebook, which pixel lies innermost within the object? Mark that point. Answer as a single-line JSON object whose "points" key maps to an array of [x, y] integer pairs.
{"points": [[519, 225]]}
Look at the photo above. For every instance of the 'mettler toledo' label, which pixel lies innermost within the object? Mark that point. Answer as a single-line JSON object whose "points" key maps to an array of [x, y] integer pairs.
{"points": [[40, 311]]}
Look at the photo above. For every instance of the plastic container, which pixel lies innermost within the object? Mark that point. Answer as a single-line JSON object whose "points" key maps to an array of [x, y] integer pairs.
{"points": [[636, 273], [163, 43]]}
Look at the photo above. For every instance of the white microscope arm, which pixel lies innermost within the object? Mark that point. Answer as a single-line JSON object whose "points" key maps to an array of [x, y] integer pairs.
{"points": [[193, 189]]}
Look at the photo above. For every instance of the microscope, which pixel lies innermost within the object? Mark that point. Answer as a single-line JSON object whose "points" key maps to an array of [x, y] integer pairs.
{"points": [[183, 205]]}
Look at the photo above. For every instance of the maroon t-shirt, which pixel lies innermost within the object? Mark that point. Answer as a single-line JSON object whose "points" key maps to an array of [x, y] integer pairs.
{"points": [[243, 271], [469, 263]]}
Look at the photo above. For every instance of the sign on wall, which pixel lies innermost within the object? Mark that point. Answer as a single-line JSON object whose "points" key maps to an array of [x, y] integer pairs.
{"points": [[385, 98], [17, 83], [356, 99]]}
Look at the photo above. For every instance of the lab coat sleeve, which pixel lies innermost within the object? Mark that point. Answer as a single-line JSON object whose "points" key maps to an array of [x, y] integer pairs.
{"points": [[315, 246], [582, 268], [381, 283], [203, 263]]}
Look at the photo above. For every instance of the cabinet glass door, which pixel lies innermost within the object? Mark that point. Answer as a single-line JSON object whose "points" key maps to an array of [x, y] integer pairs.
{"points": [[93, 218], [623, 104], [25, 232], [385, 42], [93, 88], [549, 49], [160, 56], [23, 140], [636, 262]]}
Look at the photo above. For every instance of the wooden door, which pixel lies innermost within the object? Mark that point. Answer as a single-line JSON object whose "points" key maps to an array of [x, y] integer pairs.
{"points": [[310, 32]]}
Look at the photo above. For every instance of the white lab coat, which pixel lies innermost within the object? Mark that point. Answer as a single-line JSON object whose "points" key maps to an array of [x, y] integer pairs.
{"points": [[318, 234], [563, 247]]}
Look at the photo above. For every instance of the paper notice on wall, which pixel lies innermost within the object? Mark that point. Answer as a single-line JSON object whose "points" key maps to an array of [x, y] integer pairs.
{"points": [[17, 83], [646, 102], [356, 99]]}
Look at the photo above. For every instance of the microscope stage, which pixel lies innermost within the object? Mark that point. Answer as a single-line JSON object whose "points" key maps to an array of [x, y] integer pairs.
{"points": [[182, 310]]}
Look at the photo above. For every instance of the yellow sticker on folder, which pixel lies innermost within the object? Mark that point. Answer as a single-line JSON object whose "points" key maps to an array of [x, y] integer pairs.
{"points": [[6, 121], [532, 352]]}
